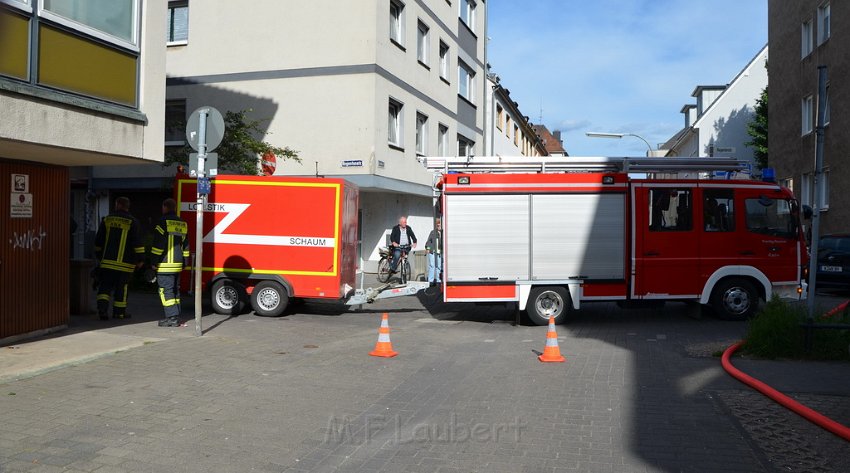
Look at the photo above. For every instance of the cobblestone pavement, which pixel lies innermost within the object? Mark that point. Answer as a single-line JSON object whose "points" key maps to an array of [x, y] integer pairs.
{"points": [[641, 391]]}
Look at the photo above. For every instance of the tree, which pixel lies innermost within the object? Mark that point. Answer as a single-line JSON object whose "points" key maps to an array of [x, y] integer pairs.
{"points": [[239, 151], [757, 129]]}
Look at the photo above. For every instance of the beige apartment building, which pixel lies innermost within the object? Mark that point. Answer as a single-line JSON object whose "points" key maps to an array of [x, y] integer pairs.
{"points": [[359, 89], [802, 36], [81, 84]]}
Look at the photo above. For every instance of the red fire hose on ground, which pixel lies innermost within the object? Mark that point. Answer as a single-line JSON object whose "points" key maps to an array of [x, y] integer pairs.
{"points": [[811, 415]]}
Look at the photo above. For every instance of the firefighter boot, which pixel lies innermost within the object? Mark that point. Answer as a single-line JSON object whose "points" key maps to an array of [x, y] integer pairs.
{"points": [[169, 322]]}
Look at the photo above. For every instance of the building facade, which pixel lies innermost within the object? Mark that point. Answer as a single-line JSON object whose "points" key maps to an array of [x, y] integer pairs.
{"points": [[81, 84], [716, 125], [359, 89], [508, 131], [803, 36]]}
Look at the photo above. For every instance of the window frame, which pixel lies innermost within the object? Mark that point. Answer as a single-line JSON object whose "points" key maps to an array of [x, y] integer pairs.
{"points": [[423, 37], [466, 83], [469, 146], [398, 122], [824, 23], [442, 139], [24, 5], [133, 45], [466, 13], [421, 133], [173, 104], [807, 38], [173, 5], [444, 61], [807, 115], [398, 22], [500, 117]]}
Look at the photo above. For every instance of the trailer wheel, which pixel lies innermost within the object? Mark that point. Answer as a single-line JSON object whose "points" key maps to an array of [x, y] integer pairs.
{"points": [[269, 299], [228, 297], [544, 302], [735, 299]]}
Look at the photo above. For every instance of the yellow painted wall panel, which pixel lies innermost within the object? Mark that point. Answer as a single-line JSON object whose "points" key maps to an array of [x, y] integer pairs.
{"points": [[14, 44], [76, 64]]}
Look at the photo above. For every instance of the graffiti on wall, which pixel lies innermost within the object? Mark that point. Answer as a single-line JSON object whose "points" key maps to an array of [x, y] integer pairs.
{"points": [[30, 240]]}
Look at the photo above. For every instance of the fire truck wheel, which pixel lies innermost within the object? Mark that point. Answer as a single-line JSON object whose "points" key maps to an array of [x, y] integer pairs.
{"points": [[228, 297], [269, 299], [735, 299], [546, 301]]}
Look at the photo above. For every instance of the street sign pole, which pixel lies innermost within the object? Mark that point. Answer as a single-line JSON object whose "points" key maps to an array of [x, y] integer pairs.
{"points": [[816, 199], [199, 225], [204, 132]]}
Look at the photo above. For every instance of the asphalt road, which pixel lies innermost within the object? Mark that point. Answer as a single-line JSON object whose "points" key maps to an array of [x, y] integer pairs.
{"points": [[641, 390]]}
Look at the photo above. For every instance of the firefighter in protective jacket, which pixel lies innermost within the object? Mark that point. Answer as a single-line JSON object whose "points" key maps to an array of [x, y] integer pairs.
{"points": [[170, 251], [119, 252]]}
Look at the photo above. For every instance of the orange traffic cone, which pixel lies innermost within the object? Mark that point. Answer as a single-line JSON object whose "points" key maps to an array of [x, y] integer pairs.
{"points": [[551, 353], [384, 347]]}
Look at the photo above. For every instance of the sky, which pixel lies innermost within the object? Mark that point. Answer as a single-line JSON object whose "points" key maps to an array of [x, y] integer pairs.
{"points": [[618, 66]]}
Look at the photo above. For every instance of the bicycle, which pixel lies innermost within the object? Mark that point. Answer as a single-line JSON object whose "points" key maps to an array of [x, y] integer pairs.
{"points": [[403, 266]]}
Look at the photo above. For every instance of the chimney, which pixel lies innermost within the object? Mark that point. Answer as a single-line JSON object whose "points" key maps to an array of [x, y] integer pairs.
{"points": [[557, 135]]}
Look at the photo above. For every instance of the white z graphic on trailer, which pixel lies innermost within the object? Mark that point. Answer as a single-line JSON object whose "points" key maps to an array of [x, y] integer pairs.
{"points": [[233, 211]]}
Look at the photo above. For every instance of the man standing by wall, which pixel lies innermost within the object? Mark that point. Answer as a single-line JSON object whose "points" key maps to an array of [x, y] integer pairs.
{"points": [[119, 251], [434, 245], [170, 251]]}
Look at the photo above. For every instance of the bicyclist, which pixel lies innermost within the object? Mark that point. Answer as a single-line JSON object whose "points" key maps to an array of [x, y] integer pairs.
{"points": [[403, 239]]}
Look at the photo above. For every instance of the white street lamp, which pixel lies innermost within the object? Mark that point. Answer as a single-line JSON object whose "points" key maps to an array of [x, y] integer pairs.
{"points": [[593, 134]]}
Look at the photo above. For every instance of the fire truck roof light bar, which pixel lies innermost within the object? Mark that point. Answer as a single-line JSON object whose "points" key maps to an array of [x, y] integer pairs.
{"points": [[580, 164]]}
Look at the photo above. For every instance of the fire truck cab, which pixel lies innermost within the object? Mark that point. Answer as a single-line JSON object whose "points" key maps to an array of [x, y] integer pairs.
{"points": [[551, 233]]}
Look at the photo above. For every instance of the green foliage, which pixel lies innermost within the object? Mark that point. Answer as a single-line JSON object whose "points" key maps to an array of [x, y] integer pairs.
{"points": [[775, 332], [240, 150], [757, 129]]}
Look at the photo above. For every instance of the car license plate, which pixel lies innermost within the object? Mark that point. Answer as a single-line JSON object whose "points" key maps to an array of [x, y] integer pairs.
{"points": [[831, 269]]}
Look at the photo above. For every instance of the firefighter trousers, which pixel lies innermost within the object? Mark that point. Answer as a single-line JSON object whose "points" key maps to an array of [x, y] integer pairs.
{"points": [[169, 293], [112, 286]]}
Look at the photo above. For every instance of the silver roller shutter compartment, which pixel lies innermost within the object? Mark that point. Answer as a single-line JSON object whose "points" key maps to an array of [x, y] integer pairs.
{"points": [[578, 235]]}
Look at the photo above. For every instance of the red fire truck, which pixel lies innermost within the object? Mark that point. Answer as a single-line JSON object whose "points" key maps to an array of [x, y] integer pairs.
{"points": [[269, 239], [551, 233]]}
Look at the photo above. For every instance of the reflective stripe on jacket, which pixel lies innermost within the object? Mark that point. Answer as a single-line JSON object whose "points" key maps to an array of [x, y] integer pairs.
{"points": [[170, 244], [117, 243]]}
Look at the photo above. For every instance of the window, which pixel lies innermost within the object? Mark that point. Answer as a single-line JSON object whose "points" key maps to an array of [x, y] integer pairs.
{"points": [[178, 22], [444, 61], [788, 183], [670, 210], [807, 115], [807, 193], [422, 38], [823, 23], [516, 135], [467, 13], [465, 146], [421, 134], [114, 21], [718, 210], [768, 216], [500, 117], [508, 126], [175, 122], [466, 81], [806, 38], [397, 22], [394, 123], [443, 140]]}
